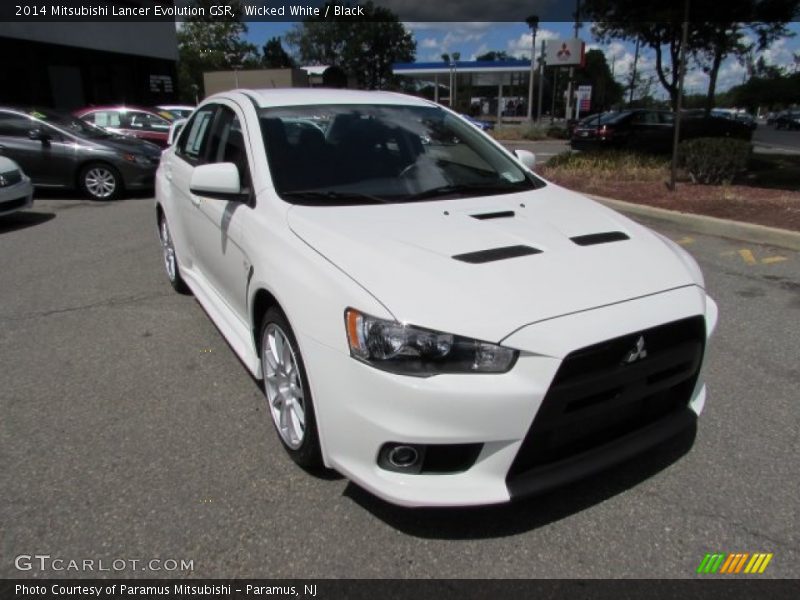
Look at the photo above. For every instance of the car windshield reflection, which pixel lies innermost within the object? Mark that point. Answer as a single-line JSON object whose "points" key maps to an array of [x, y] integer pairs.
{"points": [[354, 154]]}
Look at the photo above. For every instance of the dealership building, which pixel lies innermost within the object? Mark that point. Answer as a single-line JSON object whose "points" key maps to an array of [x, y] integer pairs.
{"points": [[69, 65]]}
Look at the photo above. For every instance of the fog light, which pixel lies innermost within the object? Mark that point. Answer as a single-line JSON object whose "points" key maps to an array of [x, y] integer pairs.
{"points": [[402, 457]]}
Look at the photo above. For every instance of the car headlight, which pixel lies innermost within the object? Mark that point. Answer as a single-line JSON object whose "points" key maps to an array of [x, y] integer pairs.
{"points": [[10, 178], [409, 350], [137, 158]]}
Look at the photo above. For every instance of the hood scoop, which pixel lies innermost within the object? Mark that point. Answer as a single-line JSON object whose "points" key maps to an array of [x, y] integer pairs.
{"points": [[593, 239], [494, 254], [504, 214]]}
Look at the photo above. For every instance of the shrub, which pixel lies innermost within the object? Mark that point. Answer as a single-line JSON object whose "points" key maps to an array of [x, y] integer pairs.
{"points": [[556, 132], [713, 160], [607, 165], [527, 131]]}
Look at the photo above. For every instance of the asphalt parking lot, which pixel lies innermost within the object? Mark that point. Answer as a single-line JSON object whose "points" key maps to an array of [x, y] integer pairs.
{"points": [[131, 431]]}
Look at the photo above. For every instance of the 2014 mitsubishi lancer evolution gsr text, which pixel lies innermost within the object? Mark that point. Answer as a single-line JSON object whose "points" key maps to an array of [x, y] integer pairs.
{"points": [[429, 317]]}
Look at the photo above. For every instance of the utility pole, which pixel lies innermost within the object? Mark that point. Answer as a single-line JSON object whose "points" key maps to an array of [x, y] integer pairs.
{"points": [[568, 112], [541, 86], [681, 73], [533, 23], [633, 74]]}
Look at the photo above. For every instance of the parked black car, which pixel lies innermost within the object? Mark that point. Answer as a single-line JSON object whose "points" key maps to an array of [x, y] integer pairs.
{"points": [[789, 119], [58, 150], [650, 130]]}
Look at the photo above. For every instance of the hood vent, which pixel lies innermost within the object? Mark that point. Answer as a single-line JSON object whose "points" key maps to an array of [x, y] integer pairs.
{"points": [[592, 239], [494, 215], [485, 256]]}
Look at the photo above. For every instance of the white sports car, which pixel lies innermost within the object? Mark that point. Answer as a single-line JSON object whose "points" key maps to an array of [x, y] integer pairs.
{"points": [[16, 191], [429, 317]]}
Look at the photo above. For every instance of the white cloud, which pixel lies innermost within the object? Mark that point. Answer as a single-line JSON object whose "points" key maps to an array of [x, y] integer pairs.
{"points": [[429, 43], [521, 46]]}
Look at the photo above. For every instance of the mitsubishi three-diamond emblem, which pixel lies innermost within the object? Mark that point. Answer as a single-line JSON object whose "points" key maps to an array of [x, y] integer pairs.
{"points": [[638, 352]]}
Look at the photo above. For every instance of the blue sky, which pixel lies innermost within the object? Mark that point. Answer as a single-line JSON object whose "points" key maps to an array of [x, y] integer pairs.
{"points": [[472, 39]]}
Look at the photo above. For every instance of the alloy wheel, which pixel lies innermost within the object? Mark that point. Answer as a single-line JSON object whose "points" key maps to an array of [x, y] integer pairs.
{"points": [[283, 386]]}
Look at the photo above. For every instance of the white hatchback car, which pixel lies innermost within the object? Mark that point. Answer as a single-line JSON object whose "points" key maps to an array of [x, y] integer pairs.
{"points": [[16, 191], [429, 317]]}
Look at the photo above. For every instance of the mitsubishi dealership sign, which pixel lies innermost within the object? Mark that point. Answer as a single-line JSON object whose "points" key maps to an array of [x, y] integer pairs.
{"points": [[564, 52]]}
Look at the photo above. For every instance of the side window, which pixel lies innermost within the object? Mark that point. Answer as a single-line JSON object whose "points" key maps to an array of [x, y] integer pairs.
{"points": [[193, 140], [148, 122], [104, 118], [227, 144], [12, 125]]}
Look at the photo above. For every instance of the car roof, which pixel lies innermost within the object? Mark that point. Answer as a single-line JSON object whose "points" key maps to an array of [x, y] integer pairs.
{"points": [[265, 98], [86, 109]]}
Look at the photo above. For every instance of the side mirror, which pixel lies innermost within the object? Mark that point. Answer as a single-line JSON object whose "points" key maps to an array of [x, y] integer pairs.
{"points": [[38, 135], [526, 158], [217, 180], [175, 130]]}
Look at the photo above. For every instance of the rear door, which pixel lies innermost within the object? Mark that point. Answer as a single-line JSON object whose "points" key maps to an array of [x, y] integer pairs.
{"points": [[148, 126]]}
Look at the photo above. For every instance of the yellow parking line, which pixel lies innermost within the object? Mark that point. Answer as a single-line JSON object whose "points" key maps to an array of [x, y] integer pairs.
{"points": [[685, 241], [773, 259], [747, 256]]}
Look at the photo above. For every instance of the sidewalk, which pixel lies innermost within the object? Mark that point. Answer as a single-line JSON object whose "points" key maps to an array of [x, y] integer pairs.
{"points": [[747, 232]]}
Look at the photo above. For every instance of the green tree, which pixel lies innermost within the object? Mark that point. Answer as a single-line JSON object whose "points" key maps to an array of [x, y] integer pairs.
{"points": [[718, 37], [606, 91], [211, 44], [495, 55], [364, 47], [275, 57], [715, 33]]}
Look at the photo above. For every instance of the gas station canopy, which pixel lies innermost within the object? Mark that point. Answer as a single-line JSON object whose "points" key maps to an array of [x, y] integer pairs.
{"points": [[482, 72]]}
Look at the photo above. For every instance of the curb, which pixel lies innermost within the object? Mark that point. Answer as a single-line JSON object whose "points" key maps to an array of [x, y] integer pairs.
{"points": [[747, 232]]}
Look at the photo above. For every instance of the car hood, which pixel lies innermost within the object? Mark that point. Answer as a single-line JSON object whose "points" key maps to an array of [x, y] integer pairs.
{"points": [[403, 255]]}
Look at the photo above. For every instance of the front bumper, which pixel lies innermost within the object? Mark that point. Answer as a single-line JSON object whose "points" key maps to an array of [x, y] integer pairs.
{"points": [[16, 197], [137, 176], [360, 408]]}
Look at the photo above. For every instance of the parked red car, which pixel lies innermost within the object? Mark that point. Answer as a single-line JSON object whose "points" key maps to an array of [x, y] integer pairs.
{"points": [[143, 123]]}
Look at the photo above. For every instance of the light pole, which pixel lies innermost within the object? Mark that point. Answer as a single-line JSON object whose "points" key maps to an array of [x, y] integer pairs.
{"points": [[533, 23], [681, 73]]}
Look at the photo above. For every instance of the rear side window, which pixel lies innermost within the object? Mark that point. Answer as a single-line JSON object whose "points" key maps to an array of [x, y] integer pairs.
{"points": [[194, 137], [105, 118]]}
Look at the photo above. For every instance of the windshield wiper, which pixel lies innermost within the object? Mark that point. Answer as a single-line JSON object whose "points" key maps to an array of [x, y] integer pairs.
{"points": [[466, 188], [334, 197]]}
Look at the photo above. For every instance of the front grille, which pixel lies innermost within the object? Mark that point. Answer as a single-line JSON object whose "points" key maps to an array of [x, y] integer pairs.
{"points": [[10, 178], [596, 397], [12, 204]]}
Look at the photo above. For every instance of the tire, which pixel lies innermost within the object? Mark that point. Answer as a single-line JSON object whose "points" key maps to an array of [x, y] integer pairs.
{"points": [[100, 181], [285, 380], [170, 258]]}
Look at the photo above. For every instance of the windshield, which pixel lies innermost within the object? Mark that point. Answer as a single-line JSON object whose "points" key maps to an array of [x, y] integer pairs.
{"points": [[353, 154], [71, 124]]}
